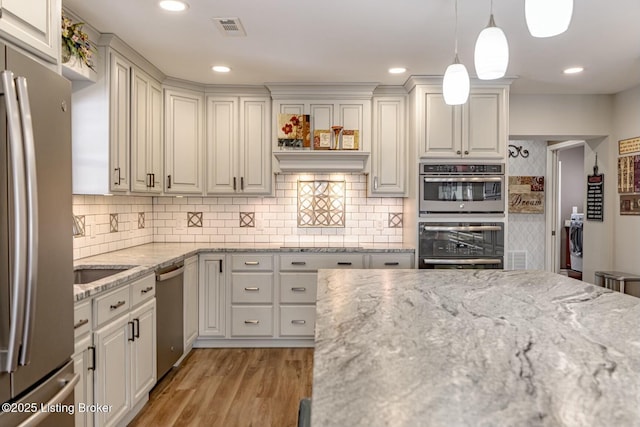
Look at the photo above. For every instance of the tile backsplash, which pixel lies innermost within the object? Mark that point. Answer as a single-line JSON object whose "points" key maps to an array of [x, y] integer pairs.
{"points": [[111, 223], [235, 219], [275, 220]]}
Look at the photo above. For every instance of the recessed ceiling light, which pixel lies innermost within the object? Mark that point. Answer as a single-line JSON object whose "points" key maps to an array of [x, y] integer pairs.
{"points": [[221, 69], [173, 5], [397, 70], [573, 70]]}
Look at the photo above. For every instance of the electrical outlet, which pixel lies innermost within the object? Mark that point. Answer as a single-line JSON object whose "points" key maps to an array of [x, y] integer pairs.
{"points": [[379, 225]]}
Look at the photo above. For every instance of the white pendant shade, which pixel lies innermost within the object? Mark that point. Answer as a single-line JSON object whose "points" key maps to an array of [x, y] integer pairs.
{"points": [[491, 53], [455, 85], [548, 18]]}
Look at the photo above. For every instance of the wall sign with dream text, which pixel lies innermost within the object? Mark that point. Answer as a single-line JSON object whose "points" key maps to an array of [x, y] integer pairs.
{"points": [[526, 194]]}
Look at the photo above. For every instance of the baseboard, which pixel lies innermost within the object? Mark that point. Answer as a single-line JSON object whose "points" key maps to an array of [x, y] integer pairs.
{"points": [[252, 343]]}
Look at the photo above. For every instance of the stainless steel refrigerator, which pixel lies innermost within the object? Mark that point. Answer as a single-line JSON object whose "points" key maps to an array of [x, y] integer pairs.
{"points": [[36, 254]]}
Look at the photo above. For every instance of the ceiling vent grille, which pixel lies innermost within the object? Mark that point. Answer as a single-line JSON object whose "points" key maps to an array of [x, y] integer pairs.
{"points": [[230, 27]]}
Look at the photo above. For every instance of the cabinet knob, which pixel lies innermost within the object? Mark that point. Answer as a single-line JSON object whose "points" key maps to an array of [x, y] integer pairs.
{"points": [[458, 152], [466, 152]]}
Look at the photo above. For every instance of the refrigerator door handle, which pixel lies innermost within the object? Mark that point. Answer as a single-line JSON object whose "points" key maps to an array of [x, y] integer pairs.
{"points": [[32, 219], [19, 247], [65, 391]]}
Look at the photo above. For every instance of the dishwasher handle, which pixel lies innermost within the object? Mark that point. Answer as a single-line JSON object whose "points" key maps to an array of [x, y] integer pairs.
{"points": [[169, 274]]}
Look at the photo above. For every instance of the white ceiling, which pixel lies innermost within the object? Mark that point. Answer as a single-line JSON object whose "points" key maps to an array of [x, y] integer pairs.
{"points": [[358, 40]]}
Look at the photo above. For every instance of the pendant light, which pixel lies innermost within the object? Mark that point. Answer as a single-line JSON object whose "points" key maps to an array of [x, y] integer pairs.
{"points": [[548, 18], [455, 84], [492, 52]]}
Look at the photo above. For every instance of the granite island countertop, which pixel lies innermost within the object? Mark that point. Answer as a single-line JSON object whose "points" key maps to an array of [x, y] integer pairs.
{"points": [[144, 259], [473, 348]]}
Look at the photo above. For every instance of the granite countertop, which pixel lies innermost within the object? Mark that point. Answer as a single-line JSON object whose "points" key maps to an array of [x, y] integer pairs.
{"points": [[144, 259], [473, 348]]}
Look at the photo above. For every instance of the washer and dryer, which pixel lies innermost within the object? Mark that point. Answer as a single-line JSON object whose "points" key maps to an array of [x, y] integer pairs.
{"points": [[575, 241]]}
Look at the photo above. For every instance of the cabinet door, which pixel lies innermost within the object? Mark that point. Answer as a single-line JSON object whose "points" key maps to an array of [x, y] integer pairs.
{"points": [[183, 141], [83, 392], [442, 137], [33, 25], [112, 370], [356, 116], [388, 156], [211, 298], [143, 351], [155, 149], [119, 122], [482, 127], [190, 301], [140, 128], [222, 145], [254, 146]]}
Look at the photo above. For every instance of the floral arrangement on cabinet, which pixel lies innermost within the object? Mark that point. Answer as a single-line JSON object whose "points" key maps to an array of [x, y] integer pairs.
{"points": [[76, 43]]}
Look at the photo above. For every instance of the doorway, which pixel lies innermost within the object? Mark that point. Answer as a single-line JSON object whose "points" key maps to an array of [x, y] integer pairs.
{"points": [[566, 183]]}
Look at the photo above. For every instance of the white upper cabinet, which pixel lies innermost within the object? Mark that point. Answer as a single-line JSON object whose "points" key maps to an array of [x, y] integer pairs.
{"points": [[33, 25], [389, 147], [120, 123], [475, 130], [146, 133], [184, 111], [238, 145]]}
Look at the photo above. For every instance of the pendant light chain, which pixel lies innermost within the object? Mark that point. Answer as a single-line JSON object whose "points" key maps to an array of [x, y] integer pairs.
{"points": [[456, 32]]}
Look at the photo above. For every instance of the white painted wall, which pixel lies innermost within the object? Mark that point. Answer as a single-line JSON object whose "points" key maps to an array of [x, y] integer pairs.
{"points": [[566, 117], [562, 116], [626, 124]]}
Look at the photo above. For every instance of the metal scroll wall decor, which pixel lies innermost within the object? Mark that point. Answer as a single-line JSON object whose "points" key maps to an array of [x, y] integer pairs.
{"points": [[518, 151]]}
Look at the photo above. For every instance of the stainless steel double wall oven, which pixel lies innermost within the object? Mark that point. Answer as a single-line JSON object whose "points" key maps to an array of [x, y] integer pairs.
{"points": [[461, 211]]}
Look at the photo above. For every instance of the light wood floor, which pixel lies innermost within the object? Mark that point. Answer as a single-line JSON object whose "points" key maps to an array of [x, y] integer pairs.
{"points": [[257, 387]]}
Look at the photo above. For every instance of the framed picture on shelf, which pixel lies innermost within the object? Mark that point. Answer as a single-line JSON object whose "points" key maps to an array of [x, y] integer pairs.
{"points": [[350, 139], [321, 139], [294, 131]]}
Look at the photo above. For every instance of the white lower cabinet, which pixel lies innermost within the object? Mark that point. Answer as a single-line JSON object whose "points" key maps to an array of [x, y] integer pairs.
{"points": [[269, 298], [83, 364], [121, 365], [211, 298], [190, 289]]}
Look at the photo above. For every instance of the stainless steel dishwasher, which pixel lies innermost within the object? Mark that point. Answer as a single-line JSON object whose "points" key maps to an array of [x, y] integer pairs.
{"points": [[169, 317]]}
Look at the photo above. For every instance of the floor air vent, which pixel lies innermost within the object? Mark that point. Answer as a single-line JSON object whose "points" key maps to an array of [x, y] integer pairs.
{"points": [[516, 260], [230, 27]]}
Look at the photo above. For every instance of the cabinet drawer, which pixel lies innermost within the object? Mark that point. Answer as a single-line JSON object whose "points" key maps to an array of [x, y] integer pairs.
{"points": [[249, 262], [299, 321], [391, 260], [112, 305], [143, 289], [82, 318], [314, 262], [298, 287], [252, 288], [252, 321]]}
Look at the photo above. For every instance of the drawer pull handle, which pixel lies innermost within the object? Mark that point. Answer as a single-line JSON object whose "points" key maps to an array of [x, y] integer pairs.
{"points": [[117, 305], [251, 322], [252, 263], [298, 322], [145, 290], [298, 262], [252, 289], [299, 289], [392, 263], [344, 263], [80, 323]]}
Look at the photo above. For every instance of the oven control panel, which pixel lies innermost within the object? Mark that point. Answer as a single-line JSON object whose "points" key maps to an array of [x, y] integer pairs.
{"points": [[458, 169]]}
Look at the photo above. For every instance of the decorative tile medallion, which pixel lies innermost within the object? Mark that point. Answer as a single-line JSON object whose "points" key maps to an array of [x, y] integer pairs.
{"points": [[140, 219], [247, 219], [321, 203], [395, 220], [78, 226], [113, 223], [194, 219]]}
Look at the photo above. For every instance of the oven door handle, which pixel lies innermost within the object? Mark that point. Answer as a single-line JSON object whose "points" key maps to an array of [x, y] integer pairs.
{"points": [[461, 228], [484, 261], [465, 179]]}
